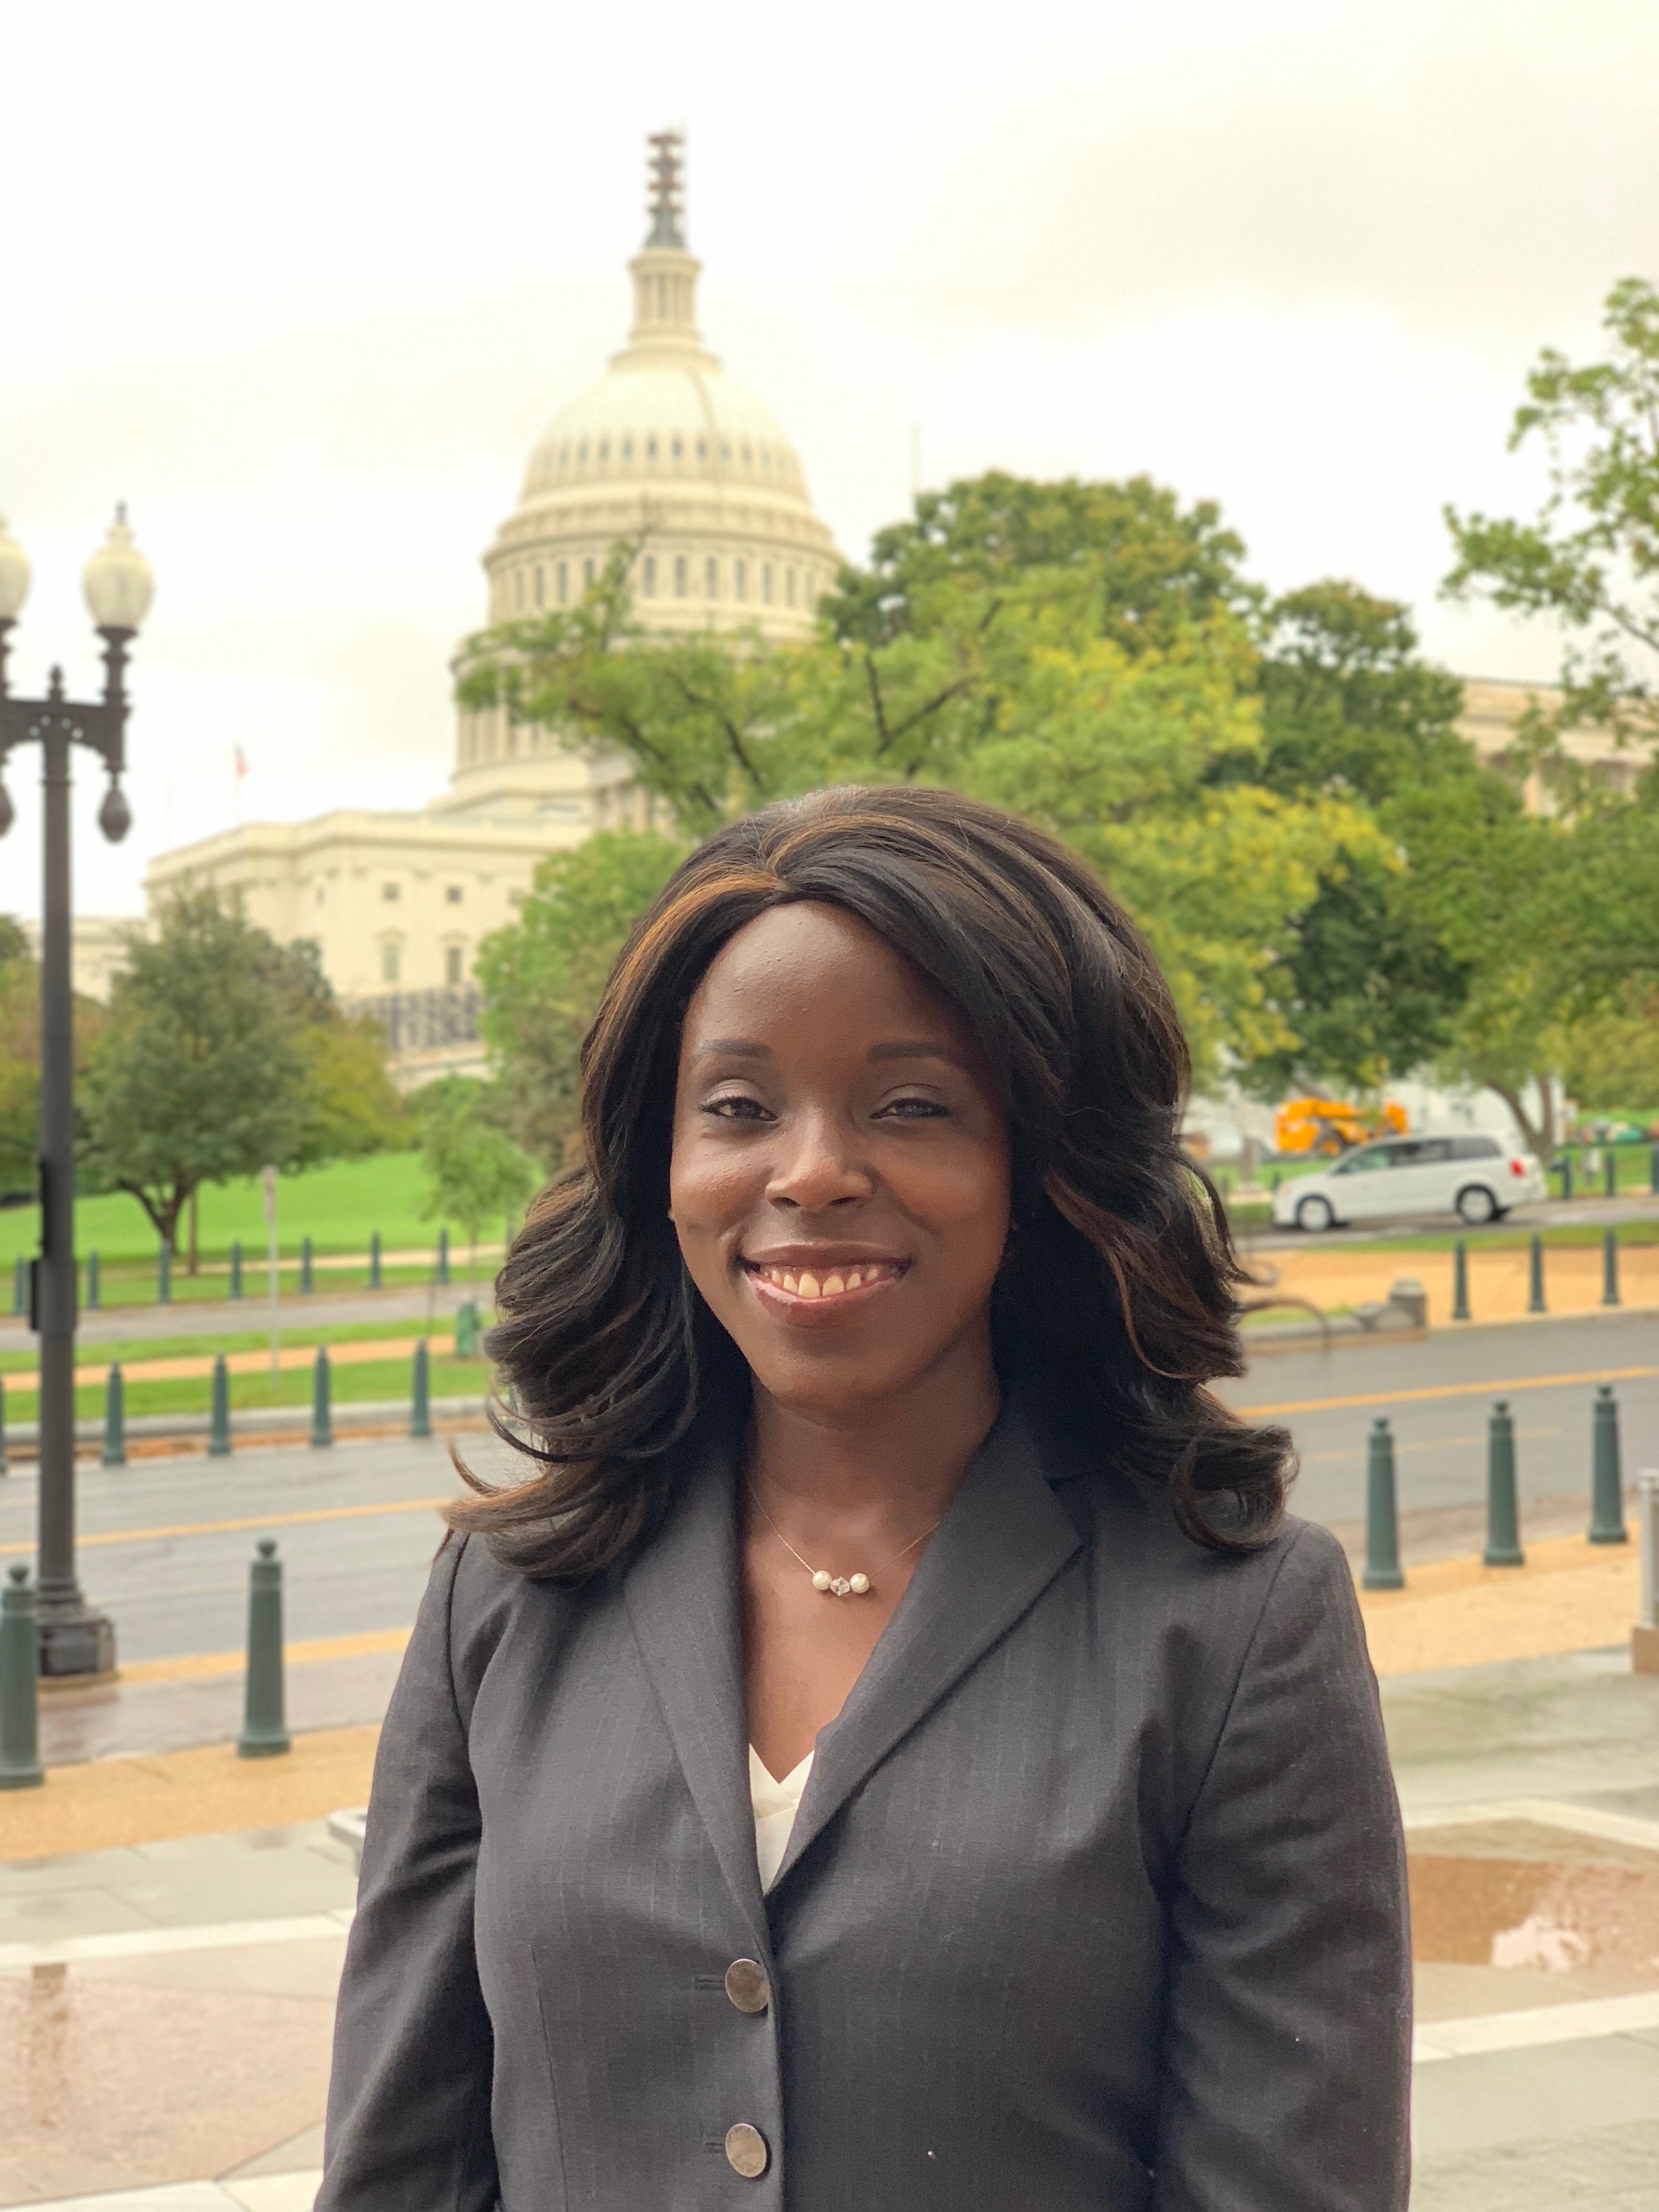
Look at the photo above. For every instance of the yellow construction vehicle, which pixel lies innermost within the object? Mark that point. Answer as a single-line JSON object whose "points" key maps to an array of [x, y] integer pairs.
{"points": [[1329, 1126]]}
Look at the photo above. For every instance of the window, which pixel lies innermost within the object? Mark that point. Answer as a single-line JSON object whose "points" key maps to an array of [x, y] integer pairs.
{"points": [[650, 449], [517, 591], [648, 576], [390, 891], [711, 578], [581, 450], [605, 449], [454, 894], [452, 964], [789, 586], [677, 449], [564, 581], [1476, 1148], [703, 449], [389, 963], [766, 582], [515, 898], [766, 457], [628, 449], [1365, 1161], [746, 457], [588, 571], [541, 585], [726, 450], [679, 576], [740, 579]]}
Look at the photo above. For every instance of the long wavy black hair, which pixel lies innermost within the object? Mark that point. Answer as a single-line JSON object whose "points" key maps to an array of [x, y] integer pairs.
{"points": [[1118, 1297]]}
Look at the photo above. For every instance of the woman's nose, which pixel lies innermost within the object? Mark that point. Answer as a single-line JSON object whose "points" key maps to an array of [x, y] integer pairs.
{"points": [[819, 1167]]}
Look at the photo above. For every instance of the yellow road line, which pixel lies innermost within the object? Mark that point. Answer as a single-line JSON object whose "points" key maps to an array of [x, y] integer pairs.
{"points": [[252, 1521], [1448, 1390], [196, 1666]]}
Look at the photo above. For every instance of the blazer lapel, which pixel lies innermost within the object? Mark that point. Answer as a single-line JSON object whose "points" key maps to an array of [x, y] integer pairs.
{"points": [[1005, 1538], [682, 1596]]}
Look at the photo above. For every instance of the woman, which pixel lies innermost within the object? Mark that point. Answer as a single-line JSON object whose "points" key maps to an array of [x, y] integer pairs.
{"points": [[895, 1753]]}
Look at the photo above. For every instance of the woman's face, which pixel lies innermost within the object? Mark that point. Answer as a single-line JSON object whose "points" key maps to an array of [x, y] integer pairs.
{"points": [[840, 1179]]}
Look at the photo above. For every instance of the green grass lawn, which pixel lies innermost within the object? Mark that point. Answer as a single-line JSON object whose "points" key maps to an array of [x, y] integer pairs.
{"points": [[338, 1207], [380, 1379], [23, 1358]]}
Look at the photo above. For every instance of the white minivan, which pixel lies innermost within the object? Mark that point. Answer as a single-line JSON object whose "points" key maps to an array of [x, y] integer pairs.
{"points": [[1479, 1178]]}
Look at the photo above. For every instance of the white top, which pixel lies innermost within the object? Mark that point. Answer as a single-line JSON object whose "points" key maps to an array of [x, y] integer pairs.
{"points": [[776, 1804]]}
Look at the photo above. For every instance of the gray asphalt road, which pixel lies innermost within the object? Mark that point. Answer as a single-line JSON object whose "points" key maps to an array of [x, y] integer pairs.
{"points": [[1436, 1392], [1554, 1214], [176, 1577]]}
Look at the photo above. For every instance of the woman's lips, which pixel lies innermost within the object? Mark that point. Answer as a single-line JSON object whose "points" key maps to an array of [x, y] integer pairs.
{"points": [[800, 1290]]}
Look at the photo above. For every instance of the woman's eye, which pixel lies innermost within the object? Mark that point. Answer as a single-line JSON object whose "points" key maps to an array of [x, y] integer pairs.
{"points": [[911, 1109], [735, 1108]]}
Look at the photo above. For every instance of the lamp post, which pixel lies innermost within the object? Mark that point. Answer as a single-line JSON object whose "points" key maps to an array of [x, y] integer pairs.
{"points": [[75, 1638]]}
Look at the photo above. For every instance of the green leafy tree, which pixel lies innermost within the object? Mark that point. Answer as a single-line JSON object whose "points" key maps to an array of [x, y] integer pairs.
{"points": [[1080, 652], [1590, 559], [201, 1075], [20, 1059], [225, 1051], [543, 975], [475, 1173]]}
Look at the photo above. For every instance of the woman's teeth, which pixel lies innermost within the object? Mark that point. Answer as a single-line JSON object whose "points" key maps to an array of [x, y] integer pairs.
{"points": [[802, 1283]]}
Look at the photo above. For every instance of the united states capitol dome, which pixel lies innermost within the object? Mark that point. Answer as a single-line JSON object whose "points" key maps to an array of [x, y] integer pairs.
{"points": [[667, 453]]}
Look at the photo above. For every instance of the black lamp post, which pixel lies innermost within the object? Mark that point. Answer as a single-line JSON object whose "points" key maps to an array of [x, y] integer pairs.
{"points": [[75, 1638]]}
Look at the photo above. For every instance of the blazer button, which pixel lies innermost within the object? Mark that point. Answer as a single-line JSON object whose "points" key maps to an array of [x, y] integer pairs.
{"points": [[747, 1986], [746, 2151]]}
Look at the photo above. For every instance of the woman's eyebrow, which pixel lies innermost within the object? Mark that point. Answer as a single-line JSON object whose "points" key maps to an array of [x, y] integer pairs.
{"points": [[733, 1048], [916, 1048]]}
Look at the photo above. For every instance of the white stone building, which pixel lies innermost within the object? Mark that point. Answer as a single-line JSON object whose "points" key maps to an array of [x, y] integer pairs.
{"points": [[663, 452]]}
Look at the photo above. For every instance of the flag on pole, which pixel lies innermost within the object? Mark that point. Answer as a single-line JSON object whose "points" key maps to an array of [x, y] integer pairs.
{"points": [[241, 763]]}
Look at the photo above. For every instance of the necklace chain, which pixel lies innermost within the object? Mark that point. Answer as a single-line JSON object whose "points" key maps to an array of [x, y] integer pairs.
{"points": [[827, 1584]]}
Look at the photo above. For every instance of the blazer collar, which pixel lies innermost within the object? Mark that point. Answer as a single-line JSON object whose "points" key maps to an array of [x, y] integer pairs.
{"points": [[1005, 1538], [682, 1595]]}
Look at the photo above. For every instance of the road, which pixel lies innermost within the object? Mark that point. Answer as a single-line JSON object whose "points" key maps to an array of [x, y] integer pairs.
{"points": [[166, 1543], [1437, 1392], [1552, 1213]]}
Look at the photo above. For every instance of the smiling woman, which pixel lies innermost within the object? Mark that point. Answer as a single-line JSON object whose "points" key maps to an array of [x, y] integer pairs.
{"points": [[896, 1730]]}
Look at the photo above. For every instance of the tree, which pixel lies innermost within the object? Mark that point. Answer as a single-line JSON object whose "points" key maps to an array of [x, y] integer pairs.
{"points": [[475, 1172], [1079, 652], [225, 1051], [1591, 557], [20, 1059], [542, 976]]}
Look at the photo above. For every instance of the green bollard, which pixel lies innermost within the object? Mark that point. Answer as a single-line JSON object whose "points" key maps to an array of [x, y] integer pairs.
{"points": [[20, 1684], [443, 1254], [1503, 1503], [164, 1276], [1610, 1268], [1535, 1291], [1460, 1282], [1382, 1513], [1607, 1484], [1610, 1172], [219, 1422], [1566, 1175], [5, 1469], [264, 1724], [1653, 1169], [466, 1330], [236, 1268], [115, 1418], [306, 1285], [419, 1401], [375, 1261], [20, 1285], [94, 1301], [322, 1425]]}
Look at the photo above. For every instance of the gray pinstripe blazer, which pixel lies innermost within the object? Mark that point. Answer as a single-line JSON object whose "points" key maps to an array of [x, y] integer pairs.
{"points": [[1095, 1897]]}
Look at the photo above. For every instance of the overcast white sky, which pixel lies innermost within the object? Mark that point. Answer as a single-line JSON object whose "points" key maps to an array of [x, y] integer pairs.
{"points": [[302, 284]]}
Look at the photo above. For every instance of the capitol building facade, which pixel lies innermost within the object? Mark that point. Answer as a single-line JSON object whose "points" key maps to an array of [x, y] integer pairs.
{"points": [[664, 453]]}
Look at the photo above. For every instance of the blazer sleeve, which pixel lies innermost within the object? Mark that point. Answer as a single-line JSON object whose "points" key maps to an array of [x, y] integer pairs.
{"points": [[1286, 2069], [408, 2102]]}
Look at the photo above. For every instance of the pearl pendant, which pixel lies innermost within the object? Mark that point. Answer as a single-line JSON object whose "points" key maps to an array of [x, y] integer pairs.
{"points": [[840, 1585]]}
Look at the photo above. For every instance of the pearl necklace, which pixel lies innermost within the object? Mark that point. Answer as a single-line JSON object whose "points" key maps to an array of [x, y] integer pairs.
{"points": [[824, 1582]]}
